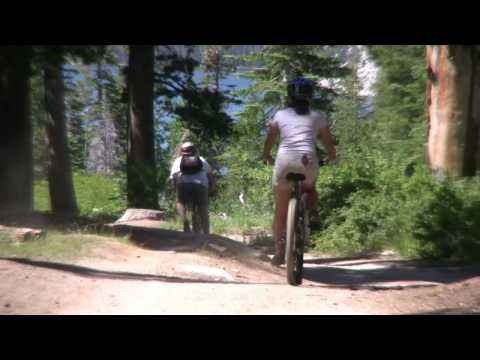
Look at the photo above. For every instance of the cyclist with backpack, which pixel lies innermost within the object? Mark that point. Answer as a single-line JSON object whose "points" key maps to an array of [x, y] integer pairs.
{"points": [[193, 180], [296, 128]]}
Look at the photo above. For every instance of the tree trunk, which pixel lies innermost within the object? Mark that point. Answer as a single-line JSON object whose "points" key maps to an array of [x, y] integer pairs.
{"points": [[16, 158], [476, 110], [62, 193], [453, 96], [141, 171]]}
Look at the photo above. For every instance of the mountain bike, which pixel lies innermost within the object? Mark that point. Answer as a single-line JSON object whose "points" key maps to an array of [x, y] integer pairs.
{"points": [[298, 230]]}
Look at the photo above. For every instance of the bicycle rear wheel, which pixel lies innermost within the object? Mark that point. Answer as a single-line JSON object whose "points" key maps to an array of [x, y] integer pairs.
{"points": [[294, 246]]}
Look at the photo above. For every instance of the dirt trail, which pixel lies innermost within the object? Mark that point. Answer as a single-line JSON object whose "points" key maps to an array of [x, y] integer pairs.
{"points": [[181, 276]]}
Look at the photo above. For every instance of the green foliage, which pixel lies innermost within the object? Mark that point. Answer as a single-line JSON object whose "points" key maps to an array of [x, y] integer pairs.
{"points": [[78, 99], [97, 195], [382, 194], [449, 224], [39, 119], [246, 173], [200, 110], [417, 215], [216, 64], [280, 63], [400, 100]]}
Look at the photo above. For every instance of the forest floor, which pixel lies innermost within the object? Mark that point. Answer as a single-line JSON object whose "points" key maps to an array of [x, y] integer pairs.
{"points": [[169, 272]]}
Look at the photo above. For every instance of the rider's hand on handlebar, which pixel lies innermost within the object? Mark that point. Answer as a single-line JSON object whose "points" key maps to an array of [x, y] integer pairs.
{"points": [[268, 160], [332, 161], [328, 161]]}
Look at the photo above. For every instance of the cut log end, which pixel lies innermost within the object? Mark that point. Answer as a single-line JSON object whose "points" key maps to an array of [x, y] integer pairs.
{"points": [[141, 214], [22, 234]]}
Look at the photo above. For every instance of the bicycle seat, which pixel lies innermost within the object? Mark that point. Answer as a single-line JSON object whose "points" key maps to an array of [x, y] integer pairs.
{"points": [[295, 177]]}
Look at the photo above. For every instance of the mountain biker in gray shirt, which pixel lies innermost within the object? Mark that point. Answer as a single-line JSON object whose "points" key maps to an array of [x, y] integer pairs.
{"points": [[296, 128]]}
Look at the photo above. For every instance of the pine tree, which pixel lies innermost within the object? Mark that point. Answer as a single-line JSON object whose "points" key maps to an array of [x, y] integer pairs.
{"points": [[141, 169], [453, 94], [348, 124], [216, 64], [16, 158], [200, 110], [399, 119], [50, 60], [78, 101], [60, 179]]}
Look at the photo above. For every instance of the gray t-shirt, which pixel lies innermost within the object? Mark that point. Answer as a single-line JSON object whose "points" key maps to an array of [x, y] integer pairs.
{"points": [[298, 133], [198, 178]]}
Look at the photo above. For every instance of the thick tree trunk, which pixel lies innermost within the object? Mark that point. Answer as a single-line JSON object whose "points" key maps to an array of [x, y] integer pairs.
{"points": [[452, 93], [16, 158], [476, 110], [62, 193], [141, 171]]}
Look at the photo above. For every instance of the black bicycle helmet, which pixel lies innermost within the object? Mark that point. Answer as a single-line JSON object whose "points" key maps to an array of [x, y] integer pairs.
{"points": [[300, 89]]}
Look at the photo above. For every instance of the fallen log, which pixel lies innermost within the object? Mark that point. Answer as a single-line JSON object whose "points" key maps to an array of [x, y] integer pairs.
{"points": [[21, 234], [141, 214]]}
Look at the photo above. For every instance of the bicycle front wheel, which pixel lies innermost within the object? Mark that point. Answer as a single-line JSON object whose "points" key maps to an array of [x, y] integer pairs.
{"points": [[294, 246]]}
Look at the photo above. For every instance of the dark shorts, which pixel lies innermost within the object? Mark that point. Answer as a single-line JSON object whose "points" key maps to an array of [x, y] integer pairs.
{"points": [[190, 193]]}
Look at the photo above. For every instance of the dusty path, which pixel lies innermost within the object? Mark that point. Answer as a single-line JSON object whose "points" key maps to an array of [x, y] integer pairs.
{"points": [[182, 278]]}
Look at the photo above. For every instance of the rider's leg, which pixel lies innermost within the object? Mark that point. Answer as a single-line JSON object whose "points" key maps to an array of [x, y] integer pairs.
{"points": [[309, 187], [182, 211], [203, 210], [312, 196], [181, 205], [312, 204], [282, 197]]}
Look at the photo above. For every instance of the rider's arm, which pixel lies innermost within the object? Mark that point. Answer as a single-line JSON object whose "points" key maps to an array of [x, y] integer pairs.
{"points": [[211, 182], [272, 137], [174, 172], [327, 139], [210, 175]]}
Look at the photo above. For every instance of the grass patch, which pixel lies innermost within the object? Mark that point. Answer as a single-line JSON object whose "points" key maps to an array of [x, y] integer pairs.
{"points": [[56, 245], [240, 221], [224, 225], [96, 195]]}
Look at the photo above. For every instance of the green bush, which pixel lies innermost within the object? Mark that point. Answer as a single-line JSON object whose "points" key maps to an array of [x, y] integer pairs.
{"points": [[386, 207], [448, 225]]}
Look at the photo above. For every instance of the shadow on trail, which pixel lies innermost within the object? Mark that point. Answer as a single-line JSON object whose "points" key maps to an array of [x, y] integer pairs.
{"points": [[114, 275], [154, 238], [178, 241], [384, 274], [356, 272], [451, 311]]}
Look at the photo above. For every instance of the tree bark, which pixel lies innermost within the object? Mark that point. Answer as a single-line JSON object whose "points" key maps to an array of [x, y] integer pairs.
{"points": [[452, 94], [16, 158], [60, 181], [476, 109], [141, 170]]}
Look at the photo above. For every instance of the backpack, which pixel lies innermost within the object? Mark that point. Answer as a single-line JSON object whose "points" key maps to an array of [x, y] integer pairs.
{"points": [[190, 165]]}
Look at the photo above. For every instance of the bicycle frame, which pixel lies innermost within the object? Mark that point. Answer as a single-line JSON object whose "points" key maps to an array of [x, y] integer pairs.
{"points": [[297, 190]]}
